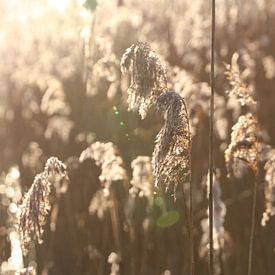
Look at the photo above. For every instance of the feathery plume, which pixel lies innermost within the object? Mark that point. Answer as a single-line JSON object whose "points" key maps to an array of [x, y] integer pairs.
{"points": [[106, 156], [243, 148], [36, 204], [100, 203], [142, 181], [34, 210], [148, 77], [171, 156], [238, 88], [26, 271], [114, 259]]}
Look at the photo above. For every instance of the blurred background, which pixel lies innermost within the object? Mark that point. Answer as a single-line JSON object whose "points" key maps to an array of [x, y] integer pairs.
{"points": [[61, 90]]}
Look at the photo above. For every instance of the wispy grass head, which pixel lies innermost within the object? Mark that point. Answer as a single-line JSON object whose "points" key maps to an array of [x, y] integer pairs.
{"points": [[171, 157], [148, 76], [142, 180], [239, 89], [243, 149], [106, 155], [36, 204]]}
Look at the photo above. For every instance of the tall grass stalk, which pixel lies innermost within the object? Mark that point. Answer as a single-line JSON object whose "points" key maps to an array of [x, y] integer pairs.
{"points": [[253, 223], [211, 141]]}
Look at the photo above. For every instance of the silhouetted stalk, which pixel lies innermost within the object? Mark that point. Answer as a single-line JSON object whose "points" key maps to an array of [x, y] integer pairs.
{"points": [[253, 222], [211, 142], [189, 220], [221, 258], [192, 261], [132, 235], [186, 214], [115, 221]]}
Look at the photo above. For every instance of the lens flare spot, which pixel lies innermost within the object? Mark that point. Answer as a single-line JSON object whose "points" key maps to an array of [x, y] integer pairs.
{"points": [[168, 219], [159, 201]]}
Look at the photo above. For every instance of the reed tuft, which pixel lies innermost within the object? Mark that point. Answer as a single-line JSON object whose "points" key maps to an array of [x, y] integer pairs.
{"points": [[148, 77]]}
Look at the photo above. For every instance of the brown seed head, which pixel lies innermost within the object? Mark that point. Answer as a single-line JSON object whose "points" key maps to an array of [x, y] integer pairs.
{"points": [[148, 76]]}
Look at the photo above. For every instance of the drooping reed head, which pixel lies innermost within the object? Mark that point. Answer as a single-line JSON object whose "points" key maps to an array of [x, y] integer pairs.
{"points": [[148, 76], [34, 210], [171, 157], [36, 204]]}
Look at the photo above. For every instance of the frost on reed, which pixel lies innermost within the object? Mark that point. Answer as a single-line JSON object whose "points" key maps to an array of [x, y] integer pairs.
{"points": [[171, 156], [36, 204], [142, 181], [148, 77], [239, 89], [243, 149], [269, 188]]}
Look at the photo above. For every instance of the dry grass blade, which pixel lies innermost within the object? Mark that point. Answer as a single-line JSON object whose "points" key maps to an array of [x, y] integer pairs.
{"points": [[148, 76]]}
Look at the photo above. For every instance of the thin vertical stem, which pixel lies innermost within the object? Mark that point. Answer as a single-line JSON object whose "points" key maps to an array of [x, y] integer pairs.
{"points": [[253, 222], [191, 220], [192, 262], [211, 141], [115, 222], [186, 214], [221, 257]]}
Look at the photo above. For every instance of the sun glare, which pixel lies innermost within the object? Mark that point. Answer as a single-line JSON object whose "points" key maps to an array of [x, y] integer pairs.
{"points": [[60, 5]]}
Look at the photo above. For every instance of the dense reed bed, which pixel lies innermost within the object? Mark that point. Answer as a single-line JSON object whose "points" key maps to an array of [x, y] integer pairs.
{"points": [[104, 134]]}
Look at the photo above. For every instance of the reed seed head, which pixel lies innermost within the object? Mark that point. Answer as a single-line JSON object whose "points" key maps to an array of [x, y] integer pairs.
{"points": [[148, 77], [244, 145], [36, 204], [171, 156]]}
